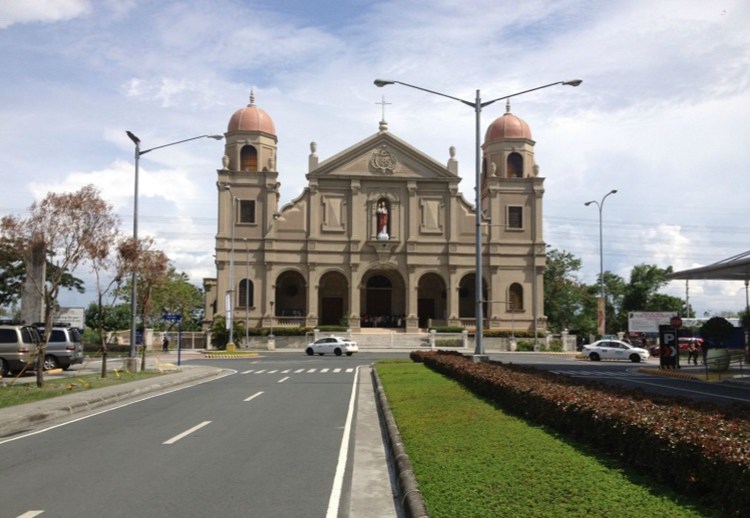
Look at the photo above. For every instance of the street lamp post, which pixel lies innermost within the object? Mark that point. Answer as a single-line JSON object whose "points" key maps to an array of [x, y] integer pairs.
{"points": [[477, 104], [131, 362], [230, 291], [601, 310]]}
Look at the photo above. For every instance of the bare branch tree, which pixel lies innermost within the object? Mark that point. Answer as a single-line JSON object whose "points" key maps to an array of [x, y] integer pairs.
{"points": [[69, 228]]}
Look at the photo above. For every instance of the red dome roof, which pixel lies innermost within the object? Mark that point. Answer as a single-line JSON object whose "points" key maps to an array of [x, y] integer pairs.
{"points": [[251, 118], [506, 127]]}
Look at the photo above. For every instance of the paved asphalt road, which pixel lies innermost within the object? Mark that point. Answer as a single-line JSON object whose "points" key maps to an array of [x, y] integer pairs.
{"points": [[281, 435]]}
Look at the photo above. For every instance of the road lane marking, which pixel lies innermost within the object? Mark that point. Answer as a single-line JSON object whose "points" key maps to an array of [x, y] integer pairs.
{"points": [[228, 372], [247, 372], [186, 433], [30, 514], [273, 371], [282, 380], [260, 371], [250, 398], [311, 371], [286, 371], [324, 370], [298, 371], [338, 480], [350, 370], [337, 370]]}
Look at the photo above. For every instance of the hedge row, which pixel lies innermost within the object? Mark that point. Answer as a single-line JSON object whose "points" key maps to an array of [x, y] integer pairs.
{"points": [[698, 449]]}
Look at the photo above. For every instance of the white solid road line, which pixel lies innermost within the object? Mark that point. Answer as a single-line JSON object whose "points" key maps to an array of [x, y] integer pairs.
{"points": [[334, 501], [30, 514], [186, 433], [253, 396]]}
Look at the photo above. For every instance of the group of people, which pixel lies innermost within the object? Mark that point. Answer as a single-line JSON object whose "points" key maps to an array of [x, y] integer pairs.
{"points": [[382, 321]]}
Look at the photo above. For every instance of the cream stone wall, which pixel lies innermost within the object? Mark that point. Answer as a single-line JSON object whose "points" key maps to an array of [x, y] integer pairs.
{"points": [[320, 259]]}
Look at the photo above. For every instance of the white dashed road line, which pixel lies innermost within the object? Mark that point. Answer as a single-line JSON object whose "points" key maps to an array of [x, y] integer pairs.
{"points": [[250, 398], [186, 433]]}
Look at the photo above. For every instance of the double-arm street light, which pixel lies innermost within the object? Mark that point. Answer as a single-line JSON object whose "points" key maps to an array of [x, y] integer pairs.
{"points": [[477, 104], [601, 308], [134, 278]]}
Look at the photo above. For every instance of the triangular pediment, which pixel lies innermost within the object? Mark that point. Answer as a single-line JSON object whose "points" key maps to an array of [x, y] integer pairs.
{"points": [[382, 155]]}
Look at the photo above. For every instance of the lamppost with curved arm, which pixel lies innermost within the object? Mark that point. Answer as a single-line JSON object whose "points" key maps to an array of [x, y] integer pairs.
{"points": [[601, 310], [477, 104], [131, 362]]}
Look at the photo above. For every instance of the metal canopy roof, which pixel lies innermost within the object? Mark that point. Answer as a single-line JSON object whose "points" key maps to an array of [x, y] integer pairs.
{"points": [[735, 268]]}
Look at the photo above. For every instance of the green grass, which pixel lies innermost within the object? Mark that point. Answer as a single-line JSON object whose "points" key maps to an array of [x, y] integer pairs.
{"points": [[21, 393], [472, 460]]}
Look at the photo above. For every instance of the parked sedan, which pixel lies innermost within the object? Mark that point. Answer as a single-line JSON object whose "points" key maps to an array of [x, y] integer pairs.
{"points": [[614, 350], [332, 344]]}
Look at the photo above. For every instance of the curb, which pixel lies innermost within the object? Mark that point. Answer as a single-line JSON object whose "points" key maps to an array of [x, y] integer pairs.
{"points": [[239, 356], [410, 497], [668, 373]]}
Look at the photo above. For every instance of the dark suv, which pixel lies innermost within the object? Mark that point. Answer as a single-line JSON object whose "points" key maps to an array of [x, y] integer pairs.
{"points": [[64, 347], [18, 344]]}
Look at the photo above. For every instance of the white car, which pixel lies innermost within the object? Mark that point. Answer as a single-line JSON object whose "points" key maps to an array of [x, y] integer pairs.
{"points": [[614, 350], [332, 344]]}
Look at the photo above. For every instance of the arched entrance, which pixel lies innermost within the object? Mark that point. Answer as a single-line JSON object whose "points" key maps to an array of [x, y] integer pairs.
{"points": [[467, 300], [431, 300], [382, 299], [333, 299], [290, 295]]}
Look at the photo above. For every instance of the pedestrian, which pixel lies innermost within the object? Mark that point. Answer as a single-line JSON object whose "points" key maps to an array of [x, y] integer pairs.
{"points": [[165, 344], [704, 350], [692, 352]]}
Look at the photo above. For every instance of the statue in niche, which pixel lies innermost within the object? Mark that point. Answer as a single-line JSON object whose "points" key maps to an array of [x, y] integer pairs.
{"points": [[382, 214], [225, 161]]}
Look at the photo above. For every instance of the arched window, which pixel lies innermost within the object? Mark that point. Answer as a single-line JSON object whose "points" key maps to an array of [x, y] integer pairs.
{"points": [[514, 166], [515, 297], [249, 159], [245, 298]]}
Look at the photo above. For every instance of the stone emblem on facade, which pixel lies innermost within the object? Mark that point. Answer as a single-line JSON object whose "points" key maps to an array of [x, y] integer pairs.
{"points": [[382, 161]]}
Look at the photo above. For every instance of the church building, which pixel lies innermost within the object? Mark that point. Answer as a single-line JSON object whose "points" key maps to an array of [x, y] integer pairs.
{"points": [[380, 237]]}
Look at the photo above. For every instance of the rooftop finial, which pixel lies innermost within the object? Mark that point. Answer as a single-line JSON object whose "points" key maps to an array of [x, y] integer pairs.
{"points": [[507, 106], [252, 98], [383, 126]]}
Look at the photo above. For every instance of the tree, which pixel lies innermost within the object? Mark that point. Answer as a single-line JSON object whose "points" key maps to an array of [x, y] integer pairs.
{"points": [[13, 275], [565, 298], [68, 229], [177, 296], [151, 267], [220, 333], [716, 330]]}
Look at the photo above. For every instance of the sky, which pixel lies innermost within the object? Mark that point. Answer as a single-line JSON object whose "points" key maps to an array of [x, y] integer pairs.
{"points": [[662, 115]]}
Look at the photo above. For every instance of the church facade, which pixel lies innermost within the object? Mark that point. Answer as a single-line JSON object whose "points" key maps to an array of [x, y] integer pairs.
{"points": [[380, 237]]}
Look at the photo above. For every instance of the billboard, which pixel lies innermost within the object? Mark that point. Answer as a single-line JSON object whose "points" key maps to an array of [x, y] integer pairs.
{"points": [[71, 316], [648, 321]]}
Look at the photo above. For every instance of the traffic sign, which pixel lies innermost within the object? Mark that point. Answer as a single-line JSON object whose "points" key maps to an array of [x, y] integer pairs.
{"points": [[172, 317], [675, 322]]}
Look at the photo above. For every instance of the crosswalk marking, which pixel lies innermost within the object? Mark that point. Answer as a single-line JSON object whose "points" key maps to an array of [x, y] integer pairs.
{"points": [[324, 370], [595, 374]]}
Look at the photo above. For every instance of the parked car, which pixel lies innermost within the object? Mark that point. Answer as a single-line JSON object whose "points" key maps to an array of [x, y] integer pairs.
{"points": [[64, 347], [18, 343], [614, 350], [332, 344]]}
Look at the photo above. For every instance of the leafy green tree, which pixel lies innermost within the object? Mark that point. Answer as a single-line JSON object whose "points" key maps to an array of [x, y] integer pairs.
{"points": [[220, 333], [565, 298], [717, 329], [177, 296], [13, 275]]}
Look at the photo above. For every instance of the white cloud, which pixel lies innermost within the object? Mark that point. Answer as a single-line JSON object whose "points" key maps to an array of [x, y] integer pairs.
{"points": [[29, 11], [662, 114]]}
